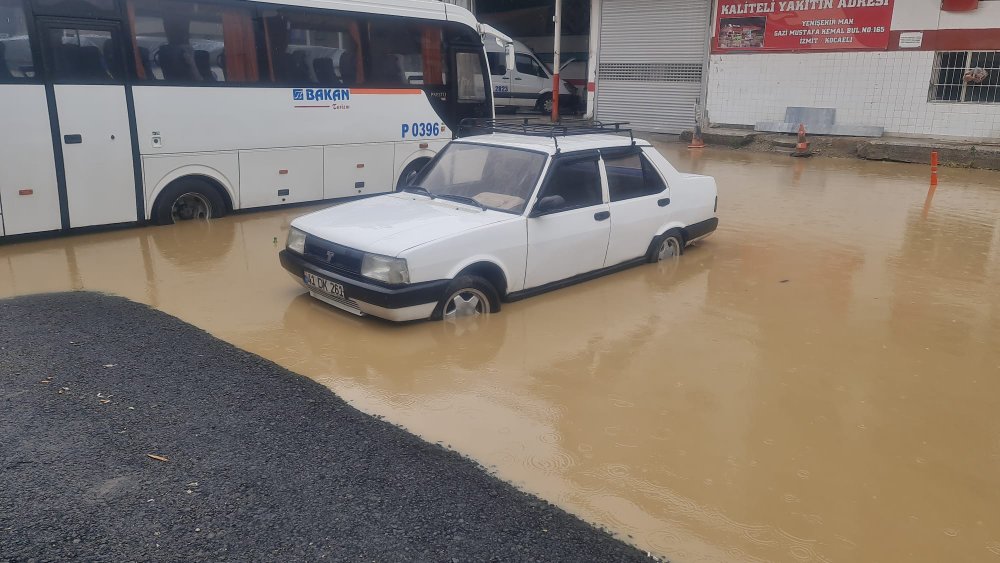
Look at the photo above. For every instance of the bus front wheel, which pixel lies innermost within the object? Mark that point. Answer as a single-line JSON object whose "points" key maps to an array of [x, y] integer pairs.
{"points": [[188, 199], [414, 167]]}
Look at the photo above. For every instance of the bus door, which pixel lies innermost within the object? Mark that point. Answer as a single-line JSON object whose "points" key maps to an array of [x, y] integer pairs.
{"points": [[471, 96], [85, 62]]}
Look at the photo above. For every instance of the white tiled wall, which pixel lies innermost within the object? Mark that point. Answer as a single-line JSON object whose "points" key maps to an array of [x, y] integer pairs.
{"points": [[886, 89]]}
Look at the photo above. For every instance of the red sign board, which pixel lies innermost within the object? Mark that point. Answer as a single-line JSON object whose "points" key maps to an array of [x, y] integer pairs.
{"points": [[802, 25]]}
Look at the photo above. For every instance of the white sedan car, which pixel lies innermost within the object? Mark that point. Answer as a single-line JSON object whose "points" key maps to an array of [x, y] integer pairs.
{"points": [[497, 217]]}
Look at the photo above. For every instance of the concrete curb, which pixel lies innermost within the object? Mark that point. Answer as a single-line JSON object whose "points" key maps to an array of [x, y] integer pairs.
{"points": [[917, 151], [968, 156], [729, 138]]}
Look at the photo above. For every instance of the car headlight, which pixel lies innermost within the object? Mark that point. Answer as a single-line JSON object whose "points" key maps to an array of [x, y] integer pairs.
{"points": [[384, 268], [296, 241]]}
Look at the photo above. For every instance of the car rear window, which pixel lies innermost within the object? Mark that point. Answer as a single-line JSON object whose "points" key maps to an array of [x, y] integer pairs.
{"points": [[630, 176]]}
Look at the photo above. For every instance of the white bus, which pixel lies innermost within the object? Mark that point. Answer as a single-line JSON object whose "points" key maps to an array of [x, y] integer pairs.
{"points": [[128, 111]]}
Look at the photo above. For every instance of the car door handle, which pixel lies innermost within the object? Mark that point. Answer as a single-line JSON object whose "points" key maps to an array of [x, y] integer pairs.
{"points": [[663, 202], [602, 215], [73, 139], [516, 78]]}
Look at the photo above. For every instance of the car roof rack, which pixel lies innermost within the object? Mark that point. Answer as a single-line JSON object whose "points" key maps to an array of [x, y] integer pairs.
{"points": [[478, 126]]}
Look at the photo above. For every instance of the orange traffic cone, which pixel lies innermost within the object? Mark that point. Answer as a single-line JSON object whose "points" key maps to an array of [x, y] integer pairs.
{"points": [[802, 148], [697, 142]]}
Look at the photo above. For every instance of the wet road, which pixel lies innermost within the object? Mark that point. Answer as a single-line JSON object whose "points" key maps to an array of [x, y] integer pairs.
{"points": [[818, 381]]}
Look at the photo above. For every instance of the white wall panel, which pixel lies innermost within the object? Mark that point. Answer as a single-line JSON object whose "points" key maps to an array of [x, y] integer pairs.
{"points": [[885, 89]]}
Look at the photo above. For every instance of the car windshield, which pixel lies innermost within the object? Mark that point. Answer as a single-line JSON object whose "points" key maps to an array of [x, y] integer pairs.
{"points": [[496, 177]]}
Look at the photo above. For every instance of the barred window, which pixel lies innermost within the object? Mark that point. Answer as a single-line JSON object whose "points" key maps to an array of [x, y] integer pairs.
{"points": [[966, 76]]}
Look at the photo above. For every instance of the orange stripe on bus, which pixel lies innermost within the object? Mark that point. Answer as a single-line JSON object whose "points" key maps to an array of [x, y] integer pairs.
{"points": [[385, 91]]}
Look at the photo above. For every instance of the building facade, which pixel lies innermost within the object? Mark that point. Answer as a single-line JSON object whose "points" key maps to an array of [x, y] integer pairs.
{"points": [[911, 67]]}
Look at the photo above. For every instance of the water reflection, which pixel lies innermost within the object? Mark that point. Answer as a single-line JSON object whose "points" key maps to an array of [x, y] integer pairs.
{"points": [[815, 382]]}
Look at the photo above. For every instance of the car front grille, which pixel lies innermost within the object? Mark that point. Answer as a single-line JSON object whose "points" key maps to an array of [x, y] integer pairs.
{"points": [[333, 257]]}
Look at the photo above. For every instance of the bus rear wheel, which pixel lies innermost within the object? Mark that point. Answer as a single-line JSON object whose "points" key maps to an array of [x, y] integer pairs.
{"points": [[186, 200]]}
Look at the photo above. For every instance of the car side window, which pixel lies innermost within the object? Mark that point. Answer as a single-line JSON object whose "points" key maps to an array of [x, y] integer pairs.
{"points": [[631, 176], [524, 64], [539, 71], [577, 182], [498, 63]]}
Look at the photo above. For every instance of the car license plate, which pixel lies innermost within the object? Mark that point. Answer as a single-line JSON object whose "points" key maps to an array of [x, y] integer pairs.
{"points": [[326, 286]]}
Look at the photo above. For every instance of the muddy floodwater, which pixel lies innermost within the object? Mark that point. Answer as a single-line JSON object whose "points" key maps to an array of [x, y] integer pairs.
{"points": [[818, 381]]}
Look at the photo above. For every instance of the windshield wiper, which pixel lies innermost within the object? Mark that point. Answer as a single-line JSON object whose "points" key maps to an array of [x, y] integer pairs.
{"points": [[463, 199], [418, 190]]}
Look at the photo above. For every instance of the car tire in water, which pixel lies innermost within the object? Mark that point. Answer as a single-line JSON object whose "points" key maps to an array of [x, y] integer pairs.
{"points": [[666, 246], [415, 166], [467, 295], [187, 199]]}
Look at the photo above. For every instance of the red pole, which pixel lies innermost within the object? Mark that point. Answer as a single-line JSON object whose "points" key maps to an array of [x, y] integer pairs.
{"points": [[934, 168], [555, 96]]}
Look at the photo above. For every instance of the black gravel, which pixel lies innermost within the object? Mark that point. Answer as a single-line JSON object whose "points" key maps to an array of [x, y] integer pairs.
{"points": [[263, 464]]}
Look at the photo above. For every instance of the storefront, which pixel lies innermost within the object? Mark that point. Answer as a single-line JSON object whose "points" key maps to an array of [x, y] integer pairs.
{"points": [[926, 68], [651, 57], [910, 67]]}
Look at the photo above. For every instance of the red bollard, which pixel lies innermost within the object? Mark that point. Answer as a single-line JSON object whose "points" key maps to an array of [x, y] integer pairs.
{"points": [[934, 168]]}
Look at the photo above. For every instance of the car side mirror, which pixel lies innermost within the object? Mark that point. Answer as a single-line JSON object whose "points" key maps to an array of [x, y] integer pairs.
{"points": [[411, 177], [548, 204]]}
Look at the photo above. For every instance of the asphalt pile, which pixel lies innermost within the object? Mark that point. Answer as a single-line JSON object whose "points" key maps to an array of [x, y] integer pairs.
{"points": [[127, 434]]}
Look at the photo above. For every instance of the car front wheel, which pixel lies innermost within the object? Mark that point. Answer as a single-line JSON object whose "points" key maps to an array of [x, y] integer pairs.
{"points": [[467, 296], [544, 104]]}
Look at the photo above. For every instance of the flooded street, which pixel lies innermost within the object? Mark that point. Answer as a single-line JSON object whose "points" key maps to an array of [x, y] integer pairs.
{"points": [[818, 381]]}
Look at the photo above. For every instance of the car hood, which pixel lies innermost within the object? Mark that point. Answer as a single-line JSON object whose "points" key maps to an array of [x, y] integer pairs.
{"points": [[392, 223]]}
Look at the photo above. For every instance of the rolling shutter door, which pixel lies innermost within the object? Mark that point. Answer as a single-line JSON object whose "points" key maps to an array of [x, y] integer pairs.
{"points": [[652, 54]]}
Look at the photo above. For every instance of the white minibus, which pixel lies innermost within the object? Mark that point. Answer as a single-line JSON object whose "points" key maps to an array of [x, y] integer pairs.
{"points": [[128, 111], [519, 79]]}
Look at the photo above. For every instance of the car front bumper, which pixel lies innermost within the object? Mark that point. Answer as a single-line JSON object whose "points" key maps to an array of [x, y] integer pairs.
{"points": [[405, 303]]}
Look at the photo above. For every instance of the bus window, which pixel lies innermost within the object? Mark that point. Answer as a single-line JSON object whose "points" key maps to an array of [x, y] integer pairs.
{"points": [[76, 8], [84, 55], [313, 47], [16, 63], [406, 54], [433, 53], [471, 87], [187, 42]]}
